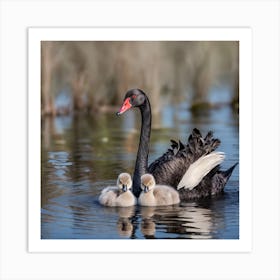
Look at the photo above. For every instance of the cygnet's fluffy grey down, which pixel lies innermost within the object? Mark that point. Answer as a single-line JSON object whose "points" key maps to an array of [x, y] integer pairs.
{"points": [[156, 195], [120, 195]]}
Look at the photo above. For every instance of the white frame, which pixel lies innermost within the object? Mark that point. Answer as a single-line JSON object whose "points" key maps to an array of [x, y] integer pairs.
{"points": [[262, 262], [243, 35]]}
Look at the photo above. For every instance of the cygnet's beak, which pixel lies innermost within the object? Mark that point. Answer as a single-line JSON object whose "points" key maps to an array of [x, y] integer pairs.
{"points": [[146, 189], [126, 106], [124, 188]]}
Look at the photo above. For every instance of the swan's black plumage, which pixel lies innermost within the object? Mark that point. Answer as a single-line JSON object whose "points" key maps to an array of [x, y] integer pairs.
{"points": [[173, 164], [178, 158]]}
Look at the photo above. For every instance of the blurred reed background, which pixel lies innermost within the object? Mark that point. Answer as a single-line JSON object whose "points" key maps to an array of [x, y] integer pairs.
{"points": [[93, 76]]}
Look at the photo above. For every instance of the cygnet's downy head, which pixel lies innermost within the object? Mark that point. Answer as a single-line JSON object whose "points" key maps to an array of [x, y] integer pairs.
{"points": [[124, 182], [147, 182]]}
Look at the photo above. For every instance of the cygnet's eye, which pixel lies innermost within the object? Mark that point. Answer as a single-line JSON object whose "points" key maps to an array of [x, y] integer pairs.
{"points": [[124, 187], [145, 188]]}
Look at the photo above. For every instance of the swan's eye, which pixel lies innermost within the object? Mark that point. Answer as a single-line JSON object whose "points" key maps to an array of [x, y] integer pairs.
{"points": [[133, 97]]}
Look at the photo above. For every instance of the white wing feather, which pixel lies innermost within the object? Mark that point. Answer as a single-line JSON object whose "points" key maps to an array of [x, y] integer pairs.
{"points": [[199, 169]]}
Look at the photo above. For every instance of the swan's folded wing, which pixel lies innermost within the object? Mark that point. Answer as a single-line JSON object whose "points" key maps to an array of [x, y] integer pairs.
{"points": [[199, 169]]}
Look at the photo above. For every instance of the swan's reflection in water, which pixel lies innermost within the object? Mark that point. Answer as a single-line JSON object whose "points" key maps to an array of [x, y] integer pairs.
{"points": [[197, 221], [188, 221]]}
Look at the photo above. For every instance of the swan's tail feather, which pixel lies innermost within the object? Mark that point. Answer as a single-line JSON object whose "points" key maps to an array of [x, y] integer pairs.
{"points": [[210, 143], [174, 144], [199, 169], [195, 147], [227, 173], [181, 146], [199, 146], [209, 136], [177, 147], [220, 179], [196, 133]]}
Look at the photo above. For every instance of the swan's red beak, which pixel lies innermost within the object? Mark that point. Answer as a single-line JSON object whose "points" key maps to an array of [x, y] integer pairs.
{"points": [[126, 106]]}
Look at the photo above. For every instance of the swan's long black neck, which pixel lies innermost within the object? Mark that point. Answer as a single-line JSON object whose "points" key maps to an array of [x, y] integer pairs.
{"points": [[143, 149]]}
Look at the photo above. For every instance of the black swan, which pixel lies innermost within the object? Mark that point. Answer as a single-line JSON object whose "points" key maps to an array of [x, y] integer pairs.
{"points": [[173, 165]]}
